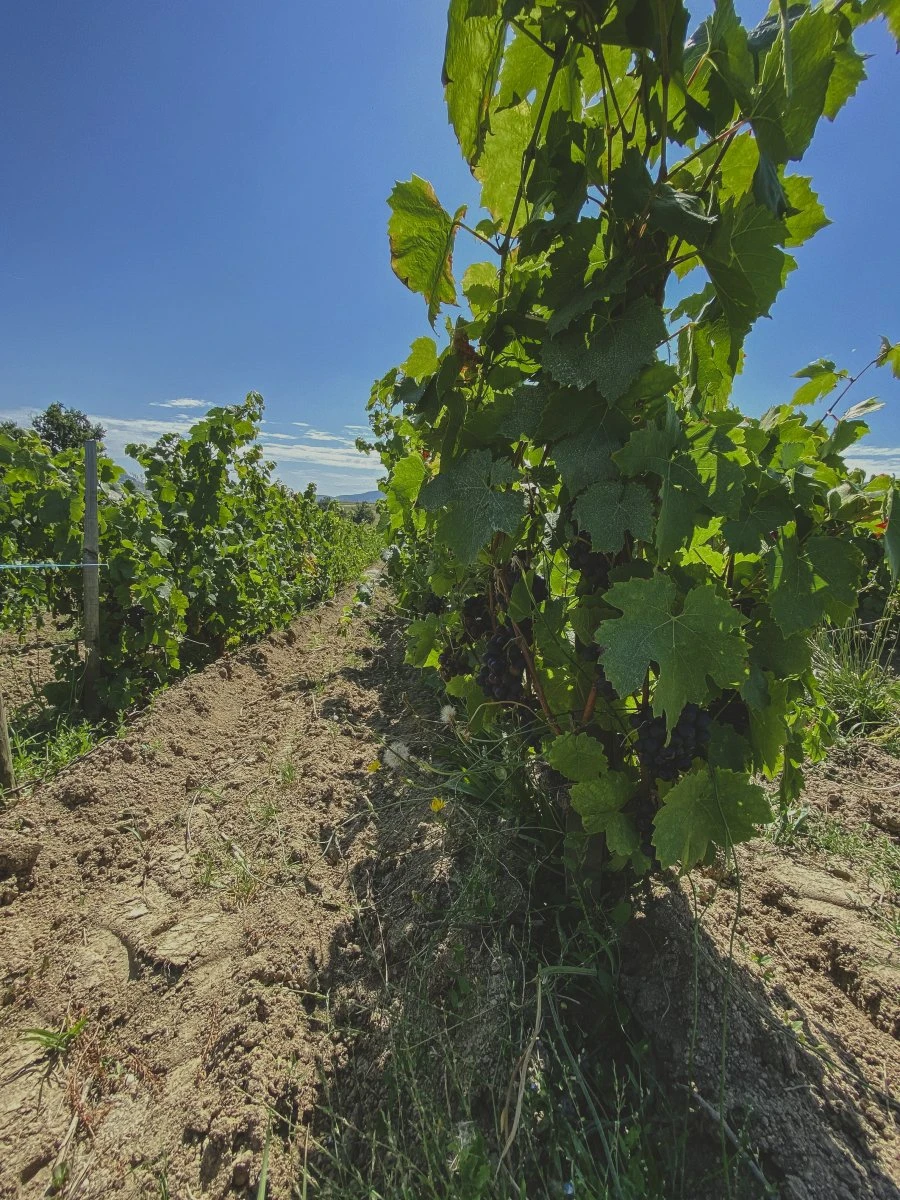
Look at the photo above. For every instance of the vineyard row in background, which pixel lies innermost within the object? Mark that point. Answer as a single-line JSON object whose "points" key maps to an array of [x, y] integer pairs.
{"points": [[209, 551]]}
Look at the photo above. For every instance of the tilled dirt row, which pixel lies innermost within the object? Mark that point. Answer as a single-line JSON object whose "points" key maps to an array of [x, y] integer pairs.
{"points": [[191, 890]]}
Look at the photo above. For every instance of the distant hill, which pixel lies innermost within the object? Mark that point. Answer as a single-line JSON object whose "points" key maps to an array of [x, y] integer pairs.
{"points": [[361, 497]]}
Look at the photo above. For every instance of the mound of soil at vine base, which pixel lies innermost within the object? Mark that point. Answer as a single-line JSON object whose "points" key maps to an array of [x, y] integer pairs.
{"points": [[796, 965], [194, 891]]}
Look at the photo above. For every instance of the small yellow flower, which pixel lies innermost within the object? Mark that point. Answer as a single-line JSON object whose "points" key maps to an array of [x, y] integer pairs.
{"points": [[437, 804], [373, 766]]}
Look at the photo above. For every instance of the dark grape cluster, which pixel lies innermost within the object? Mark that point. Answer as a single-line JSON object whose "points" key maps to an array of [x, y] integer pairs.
{"points": [[476, 617], [432, 603], [501, 671], [689, 740], [594, 568], [452, 662], [732, 710]]}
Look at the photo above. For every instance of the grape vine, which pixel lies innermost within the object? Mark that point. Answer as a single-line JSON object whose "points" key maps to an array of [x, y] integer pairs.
{"points": [[631, 567], [211, 552]]}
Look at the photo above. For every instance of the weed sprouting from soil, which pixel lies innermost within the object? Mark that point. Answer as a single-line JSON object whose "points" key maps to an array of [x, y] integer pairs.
{"points": [[56, 1043], [853, 665]]}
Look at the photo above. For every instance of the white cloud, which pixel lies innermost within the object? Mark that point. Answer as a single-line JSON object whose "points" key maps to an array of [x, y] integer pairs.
{"points": [[330, 460], [301, 424], [325, 456], [876, 460], [319, 435], [358, 428], [186, 402]]}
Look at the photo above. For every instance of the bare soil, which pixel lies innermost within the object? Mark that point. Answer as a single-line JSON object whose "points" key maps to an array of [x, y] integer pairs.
{"points": [[200, 891], [26, 662], [191, 888], [794, 967]]}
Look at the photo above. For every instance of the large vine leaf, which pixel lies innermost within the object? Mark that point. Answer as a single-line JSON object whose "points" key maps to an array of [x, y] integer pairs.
{"points": [[406, 480], [765, 509], [578, 756], [812, 581], [611, 356], [745, 261], [499, 167], [422, 360], [702, 641], [472, 55], [610, 510], [476, 509], [709, 806], [785, 112], [599, 803], [421, 235]]}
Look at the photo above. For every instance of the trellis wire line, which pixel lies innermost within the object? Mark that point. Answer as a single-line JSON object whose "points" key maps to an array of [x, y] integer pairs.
{"points": [[48, 566]]}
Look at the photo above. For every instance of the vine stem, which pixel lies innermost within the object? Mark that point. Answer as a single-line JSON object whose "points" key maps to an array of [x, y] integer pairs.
{"points": [[829, 412], [476, 234], [533, 679], [664, 115], [726, 133]]}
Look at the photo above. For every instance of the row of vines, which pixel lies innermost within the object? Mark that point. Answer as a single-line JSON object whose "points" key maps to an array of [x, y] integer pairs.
{"points": [[602, 550], [208, 551]]}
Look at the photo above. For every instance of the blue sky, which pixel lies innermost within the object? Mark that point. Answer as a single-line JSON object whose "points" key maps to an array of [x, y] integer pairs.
{"points": [[195, 207]]}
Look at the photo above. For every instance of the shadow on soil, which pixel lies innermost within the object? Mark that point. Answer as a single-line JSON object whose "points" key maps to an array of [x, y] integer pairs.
{"points": [[660, 1065]]}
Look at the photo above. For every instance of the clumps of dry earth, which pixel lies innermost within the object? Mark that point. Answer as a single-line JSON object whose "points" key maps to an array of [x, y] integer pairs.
{"points": [[248, 947], [185, 893]]}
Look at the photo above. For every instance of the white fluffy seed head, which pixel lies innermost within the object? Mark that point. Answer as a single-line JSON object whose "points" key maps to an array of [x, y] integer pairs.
{"points": [[396, 755], [448, 714]]}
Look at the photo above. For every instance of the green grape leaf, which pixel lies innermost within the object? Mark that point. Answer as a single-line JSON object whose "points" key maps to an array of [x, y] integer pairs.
{"points": [[654, 450], [479, 713], [586, 456], [708, 806], [767, 725], [700, 642], [423, 638], [578, 756], [809, 582], [889, 355], [467, 488], [784, 116], [474, 47], [422, 359], [745, 262], [406, 480], [768, 189], [421, 235], [727, 748], [762, 513], [499, 167], [610, 510], [523, 417], [612, 355], [479, 285], [599, 802], [770, 650], [805, 216], [821, 378], [848, 73]]}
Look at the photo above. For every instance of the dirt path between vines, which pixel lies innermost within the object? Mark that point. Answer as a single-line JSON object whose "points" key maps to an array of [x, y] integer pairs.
{"points": [[191, 885], [195, 900]]}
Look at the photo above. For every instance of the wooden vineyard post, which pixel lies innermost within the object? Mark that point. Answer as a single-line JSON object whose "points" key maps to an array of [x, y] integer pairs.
{"points": [[7, 775], [90, 559]]}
